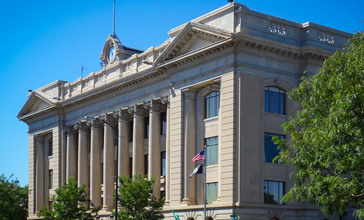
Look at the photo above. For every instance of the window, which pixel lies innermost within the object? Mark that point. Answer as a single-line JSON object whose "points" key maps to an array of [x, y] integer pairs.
{"points": [[212, 104], [273, 192], [146, 127], [146, 164], [212, 145], [163, 123], [211, 192], [131, 125], [50, 176], [50, 147], [163, 194], [163, 163], [274, 100], [130, 167], [270, 149]]}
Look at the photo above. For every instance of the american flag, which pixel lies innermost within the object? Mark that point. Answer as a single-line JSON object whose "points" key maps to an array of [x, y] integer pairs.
{"points": [[200, 156]]}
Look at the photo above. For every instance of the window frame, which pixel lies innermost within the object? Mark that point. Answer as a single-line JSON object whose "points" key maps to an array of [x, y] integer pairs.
{"points": [[207, 107], [207, 161], [280, 191], [268, 102], [271, 135]]}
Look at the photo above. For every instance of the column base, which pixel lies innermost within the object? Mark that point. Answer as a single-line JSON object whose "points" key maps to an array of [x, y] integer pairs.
{"points": [[105, 208], [188, 201]]}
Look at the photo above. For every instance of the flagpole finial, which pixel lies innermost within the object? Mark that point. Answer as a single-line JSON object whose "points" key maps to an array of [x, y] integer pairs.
{"points": [[113, 24]]}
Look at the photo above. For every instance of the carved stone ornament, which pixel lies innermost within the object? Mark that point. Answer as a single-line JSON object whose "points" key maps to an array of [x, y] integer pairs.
{"points": [[277, 28], [326, 38]]}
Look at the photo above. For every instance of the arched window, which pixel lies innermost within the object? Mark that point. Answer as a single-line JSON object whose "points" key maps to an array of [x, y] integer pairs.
{"points": [[274, 100], [212, 104]]}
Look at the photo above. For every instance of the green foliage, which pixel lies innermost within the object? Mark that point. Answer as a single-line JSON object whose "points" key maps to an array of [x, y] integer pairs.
{"points": [[326, 146], [13, 199], [136, 196], [70, 202]]}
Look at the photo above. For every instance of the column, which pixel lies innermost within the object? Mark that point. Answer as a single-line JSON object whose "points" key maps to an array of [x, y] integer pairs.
{"points": [[39, 178], [95, 163], [123, 157], [189, 145], [71, 157], [138, 140], [154, 150], [165, 100], [83, 173], [109, 164]]}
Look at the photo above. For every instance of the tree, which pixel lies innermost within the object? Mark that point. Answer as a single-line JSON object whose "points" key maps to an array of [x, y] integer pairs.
{"points": [[326, 147], [13, 199], [69, 202], [136, 196]]}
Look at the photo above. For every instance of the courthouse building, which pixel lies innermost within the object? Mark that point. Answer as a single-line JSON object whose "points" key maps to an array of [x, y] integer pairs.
{"points": [[220, 80]]}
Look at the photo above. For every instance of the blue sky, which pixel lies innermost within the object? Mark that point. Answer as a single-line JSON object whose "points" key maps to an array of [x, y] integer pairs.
{"points": [[42, 41]]}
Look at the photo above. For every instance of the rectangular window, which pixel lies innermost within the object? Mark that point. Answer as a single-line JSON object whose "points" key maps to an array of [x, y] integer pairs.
{"points": [[146, 164], [50, 176], [163, 123], [163, 163], [131, 125], [50, 147], [146, 127], [212, 150], [211, 192], [163, 194], [273, 192], [212, 104], [270, 149], [130, 167], [274, 100]]}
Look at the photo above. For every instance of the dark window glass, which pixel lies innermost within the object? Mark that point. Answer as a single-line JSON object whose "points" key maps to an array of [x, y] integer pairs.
{"points": [[212, 104], [212, 145], [273, 192], [270, 149], [131, 125], [146, 127], [146, 164], [163, 163], [274, 100], [163, 194], [50, 176], [50, 147], [130, 166], [163, 123]]}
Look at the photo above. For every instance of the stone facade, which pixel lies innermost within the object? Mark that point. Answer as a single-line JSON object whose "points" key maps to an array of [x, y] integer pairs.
{"points": [[209, 81]]}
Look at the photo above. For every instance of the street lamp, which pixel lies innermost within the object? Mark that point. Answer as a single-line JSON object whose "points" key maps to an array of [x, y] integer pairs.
{"points": [[90, 118]]}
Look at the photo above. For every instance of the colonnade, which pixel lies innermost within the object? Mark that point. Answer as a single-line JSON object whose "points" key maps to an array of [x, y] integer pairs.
{"points": [[86, 140], [99, 177]]}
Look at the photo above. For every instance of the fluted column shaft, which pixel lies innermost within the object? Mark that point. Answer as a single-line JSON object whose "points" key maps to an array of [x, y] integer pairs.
{"points": [[71, 154], [39, 180], [83, 174], [109, 165], [189, 145], [123, 124], [95, 163], [138, 141], [154, 155]]}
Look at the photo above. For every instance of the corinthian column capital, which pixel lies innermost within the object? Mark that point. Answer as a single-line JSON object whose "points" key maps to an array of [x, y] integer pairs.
{"points": [[189, 94]]}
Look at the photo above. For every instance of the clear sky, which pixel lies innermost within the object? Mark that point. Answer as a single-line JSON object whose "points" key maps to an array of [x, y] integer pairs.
{"points": [[42, 41]]}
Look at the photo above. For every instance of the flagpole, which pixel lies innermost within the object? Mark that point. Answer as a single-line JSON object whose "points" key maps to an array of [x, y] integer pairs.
{"points": [[204, 183]]}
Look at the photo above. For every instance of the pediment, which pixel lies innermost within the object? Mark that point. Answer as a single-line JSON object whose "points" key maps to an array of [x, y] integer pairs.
{"points": [[37, 102], [192, 38]]}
